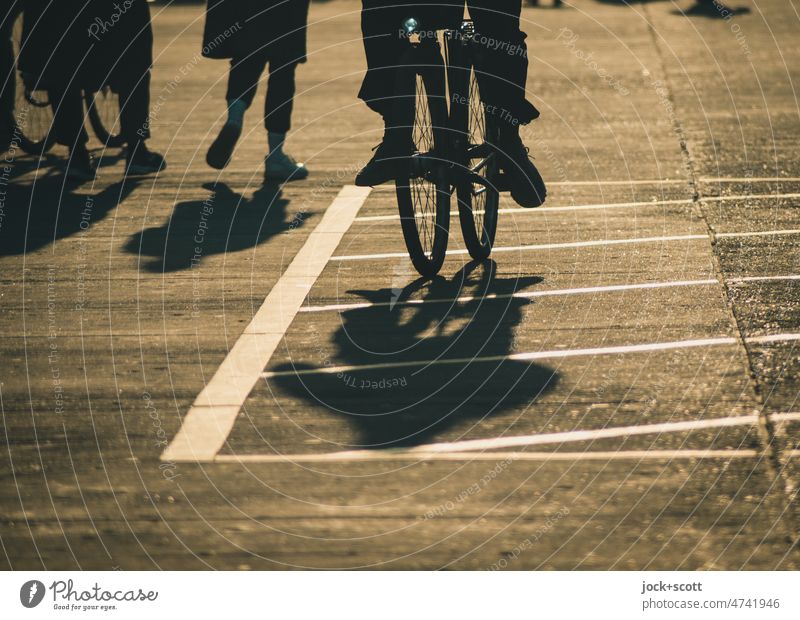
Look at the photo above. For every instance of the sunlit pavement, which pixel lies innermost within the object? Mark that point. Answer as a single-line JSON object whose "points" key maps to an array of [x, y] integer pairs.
{"points": [[200, 371]]}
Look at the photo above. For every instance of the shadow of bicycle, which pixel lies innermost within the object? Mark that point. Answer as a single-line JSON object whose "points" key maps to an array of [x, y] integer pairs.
{"points": [[415, 367]]}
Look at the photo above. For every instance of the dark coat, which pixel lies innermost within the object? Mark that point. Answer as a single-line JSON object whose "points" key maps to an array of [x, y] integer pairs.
{"points": [[91, 40], [239, 28]]}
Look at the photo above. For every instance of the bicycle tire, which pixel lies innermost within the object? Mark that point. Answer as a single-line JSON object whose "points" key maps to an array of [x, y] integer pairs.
{"points": [[32, 116], [477, 186], [102, 108], [422, 188]]}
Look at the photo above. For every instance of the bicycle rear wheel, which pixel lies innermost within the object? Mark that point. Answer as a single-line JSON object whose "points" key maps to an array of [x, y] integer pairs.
{"points": [[32, 117], [423, 189], [477, 190], [103, 111]]}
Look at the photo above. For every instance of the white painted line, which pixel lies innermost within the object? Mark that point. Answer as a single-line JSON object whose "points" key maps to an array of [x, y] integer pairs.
{"points": [[773, 338], [387, 455], [521, 210], [602, 206], [623, 183], [536, 355], [763, 279], [784, 417], [749, 179], [519, 295], [747, 197], [494, 443], [540, 246], [457, 450], [582, 244], [762, 233], [211, 417], [528, 356]]}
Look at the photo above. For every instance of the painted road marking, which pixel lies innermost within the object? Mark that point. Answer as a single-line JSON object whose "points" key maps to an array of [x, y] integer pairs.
{"points": [[386, 455], [537, 355], [600, 206], [762, 279], [582, 244], [520, 210], [761, 233], [209, 421], [463, 450], [518, 295], [550, 293], [679, 181], [538, 246]]}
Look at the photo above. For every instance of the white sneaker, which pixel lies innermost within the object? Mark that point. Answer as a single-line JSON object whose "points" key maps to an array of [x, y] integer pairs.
{"points": [[282, 167]]}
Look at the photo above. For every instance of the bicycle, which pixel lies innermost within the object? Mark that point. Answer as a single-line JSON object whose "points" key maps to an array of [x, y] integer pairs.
{"points": [[32, 116], [454, 147]]}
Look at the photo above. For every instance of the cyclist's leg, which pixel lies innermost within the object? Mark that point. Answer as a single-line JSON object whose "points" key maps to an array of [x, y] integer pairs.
{"points": [[504, 66], [384, 44], [505, 55]]}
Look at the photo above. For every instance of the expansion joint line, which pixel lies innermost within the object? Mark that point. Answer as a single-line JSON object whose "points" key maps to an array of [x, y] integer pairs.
{"points": [[766, 429]]}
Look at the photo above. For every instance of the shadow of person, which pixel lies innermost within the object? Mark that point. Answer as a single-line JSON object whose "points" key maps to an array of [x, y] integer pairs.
{"points": [[407, 370], [713, 9], [223, 222], [38, 213]]}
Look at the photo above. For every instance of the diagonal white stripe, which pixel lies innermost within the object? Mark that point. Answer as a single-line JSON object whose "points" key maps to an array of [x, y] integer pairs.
{"points": [[211, 417]]}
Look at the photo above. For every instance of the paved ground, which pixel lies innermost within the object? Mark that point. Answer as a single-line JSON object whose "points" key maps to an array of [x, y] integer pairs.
{"points": [[616, 390]]}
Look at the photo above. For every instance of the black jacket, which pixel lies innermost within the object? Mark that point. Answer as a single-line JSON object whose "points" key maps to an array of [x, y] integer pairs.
{"points": [[274, 28], [95, 41]]}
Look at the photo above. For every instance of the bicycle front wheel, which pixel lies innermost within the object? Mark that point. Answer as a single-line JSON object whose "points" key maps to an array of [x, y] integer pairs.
{"points": [[423, 189]]}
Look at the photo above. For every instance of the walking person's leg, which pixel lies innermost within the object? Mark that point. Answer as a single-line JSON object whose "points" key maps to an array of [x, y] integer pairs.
{"points": [[134, 102], [280, 166], [505, 66], [243, 80]]}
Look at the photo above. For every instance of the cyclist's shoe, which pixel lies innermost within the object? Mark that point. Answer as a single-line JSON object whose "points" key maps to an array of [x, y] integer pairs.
{"points": [[141, 160], [81, 166], [527, 186], [221, 150], [282, 167], [386, 164]]}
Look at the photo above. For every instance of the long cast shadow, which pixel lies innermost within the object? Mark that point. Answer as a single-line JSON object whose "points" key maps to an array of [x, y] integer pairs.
{"points": [[38, 213], [225, 221], [393, 406]]}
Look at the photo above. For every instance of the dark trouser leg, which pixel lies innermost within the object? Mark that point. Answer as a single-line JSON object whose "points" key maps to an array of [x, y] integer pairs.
{"points": [[68, 115], [505, 58], [280, 98], [380, 26], [243, 78], [7, 78], [134, 103]]}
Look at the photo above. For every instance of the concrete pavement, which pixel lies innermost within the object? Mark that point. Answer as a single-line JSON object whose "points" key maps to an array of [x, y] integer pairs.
{"points": [[617, 389]]}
